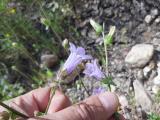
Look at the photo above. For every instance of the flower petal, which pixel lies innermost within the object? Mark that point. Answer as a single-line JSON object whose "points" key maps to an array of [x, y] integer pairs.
{"points": [[98, 90], [80, 51], [92, 70], [72, 47], [76, 56], [86, 57]]}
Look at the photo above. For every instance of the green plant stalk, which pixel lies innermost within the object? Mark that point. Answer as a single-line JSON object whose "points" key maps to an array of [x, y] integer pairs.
{"points": [[13, 110], [83, 84], [106, 61], [106, 52], [52, 94], [84, 87], [45, 15]]}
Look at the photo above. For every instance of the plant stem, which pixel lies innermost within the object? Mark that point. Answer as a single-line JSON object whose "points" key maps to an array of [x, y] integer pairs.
{"points": [[13, 110], [46, 16], [85, 87], [106, 52], [83, 83], [52, 94]]}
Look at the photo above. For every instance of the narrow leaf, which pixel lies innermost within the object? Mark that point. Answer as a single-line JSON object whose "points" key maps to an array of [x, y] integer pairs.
{"points": [[96, 26], [108, 39]]}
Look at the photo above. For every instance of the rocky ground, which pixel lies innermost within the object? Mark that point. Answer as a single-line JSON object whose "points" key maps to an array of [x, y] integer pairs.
{"points": [[135, 55]]}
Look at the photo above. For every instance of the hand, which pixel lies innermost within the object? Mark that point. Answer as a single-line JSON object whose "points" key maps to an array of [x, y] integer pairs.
{"points": [[100, 107]]}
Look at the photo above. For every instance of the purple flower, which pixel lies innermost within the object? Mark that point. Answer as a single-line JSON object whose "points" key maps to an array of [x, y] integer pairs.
{"points": [[92, 70], [76, 56], [98, 90]]}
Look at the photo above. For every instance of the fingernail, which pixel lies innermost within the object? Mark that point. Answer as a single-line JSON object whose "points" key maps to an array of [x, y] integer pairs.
{"points": [[109, 101]]}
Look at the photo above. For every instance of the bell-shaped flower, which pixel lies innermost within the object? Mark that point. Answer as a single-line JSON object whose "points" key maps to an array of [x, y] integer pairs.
{"points": [[92, 70], [98, 90], [76, 56]]}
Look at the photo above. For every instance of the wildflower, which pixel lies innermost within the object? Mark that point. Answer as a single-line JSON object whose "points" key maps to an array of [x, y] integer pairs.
{"points": [[98, 90], [76, 56], [92, 70]]}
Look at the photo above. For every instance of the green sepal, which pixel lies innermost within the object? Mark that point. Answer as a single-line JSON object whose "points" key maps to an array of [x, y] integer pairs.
{"points": [[108, 39], [96, 26]]}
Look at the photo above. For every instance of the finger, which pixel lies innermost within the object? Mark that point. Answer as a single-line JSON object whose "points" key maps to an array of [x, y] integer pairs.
{"points": [[35, 100], [59, 102], [99, 107], [18, 108]]}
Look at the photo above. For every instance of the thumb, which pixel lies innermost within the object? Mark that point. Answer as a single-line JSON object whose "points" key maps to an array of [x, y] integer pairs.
{"points": [[100, 107]]}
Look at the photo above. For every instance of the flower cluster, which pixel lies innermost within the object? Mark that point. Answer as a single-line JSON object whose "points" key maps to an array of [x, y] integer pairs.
{"points": [[76, 57]]}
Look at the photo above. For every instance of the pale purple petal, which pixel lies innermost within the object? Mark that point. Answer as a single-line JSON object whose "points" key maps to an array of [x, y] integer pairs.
{"points": [[88, 70], [76, 56], [86, 57], [98, 90], [72, 47], [92, 70], [80, 51]]}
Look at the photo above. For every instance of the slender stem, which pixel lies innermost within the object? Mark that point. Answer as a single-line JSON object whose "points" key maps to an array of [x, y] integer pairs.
{"points": [[52, 94], [105, 49], [53, 30], [85, 87], [13, 110], [83, 83], [106, 54]]}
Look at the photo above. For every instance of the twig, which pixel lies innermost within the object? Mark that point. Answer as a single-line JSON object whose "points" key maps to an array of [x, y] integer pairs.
{"points": [[13, 110]]}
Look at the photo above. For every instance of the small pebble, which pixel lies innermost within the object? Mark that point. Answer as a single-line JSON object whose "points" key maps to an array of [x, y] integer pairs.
{"points": [[157, 20], [154, 12], [148, 19], [155, 89]]}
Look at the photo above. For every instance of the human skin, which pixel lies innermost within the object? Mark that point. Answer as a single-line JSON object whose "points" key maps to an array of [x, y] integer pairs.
{"points": [[97, 107]]}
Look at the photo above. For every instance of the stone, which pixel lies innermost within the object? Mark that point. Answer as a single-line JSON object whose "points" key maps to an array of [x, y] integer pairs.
{"points": [[157, 20], [148, 19], [49, 60], [148, 69], [154, 12], [140, 75], [139, 55], [92, 34], [123, 101], [156, 80], [155, 89], [141, 96]]}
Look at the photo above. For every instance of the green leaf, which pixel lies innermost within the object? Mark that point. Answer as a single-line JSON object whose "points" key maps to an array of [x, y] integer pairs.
{"points": [[49, 73], [108, 39], [153, 116], [96, 26], [108, 81], [46, 22]]}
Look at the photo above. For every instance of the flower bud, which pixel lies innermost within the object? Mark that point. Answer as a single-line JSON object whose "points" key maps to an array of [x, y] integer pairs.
{"points": [[65, 43]]}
